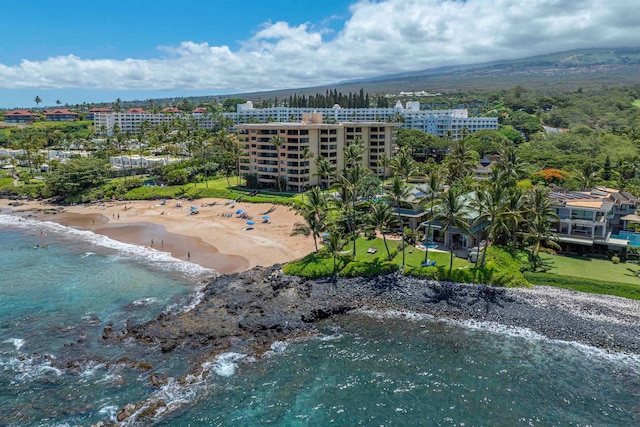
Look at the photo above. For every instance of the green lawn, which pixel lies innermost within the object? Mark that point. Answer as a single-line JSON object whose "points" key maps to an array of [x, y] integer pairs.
{"points": [[636, 103], [591, 268], [217, 188], [413, 257], [322, 264]]}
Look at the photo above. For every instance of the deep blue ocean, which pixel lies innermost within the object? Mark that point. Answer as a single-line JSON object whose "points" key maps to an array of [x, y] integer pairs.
{"points": [[368, 369]]}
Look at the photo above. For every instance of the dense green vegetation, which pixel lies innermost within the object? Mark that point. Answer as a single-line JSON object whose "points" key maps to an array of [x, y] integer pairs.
{"points": [[595, 142]]}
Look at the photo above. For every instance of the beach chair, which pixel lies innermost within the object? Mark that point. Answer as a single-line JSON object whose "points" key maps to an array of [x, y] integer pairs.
{"points": [[372, 250]]}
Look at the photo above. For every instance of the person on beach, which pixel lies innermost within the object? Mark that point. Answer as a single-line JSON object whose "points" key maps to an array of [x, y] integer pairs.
{"points": [[188, 255], [151, 242]]}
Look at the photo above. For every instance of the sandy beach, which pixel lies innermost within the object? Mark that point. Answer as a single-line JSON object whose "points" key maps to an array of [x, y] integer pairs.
{"points": [[216, 237]]}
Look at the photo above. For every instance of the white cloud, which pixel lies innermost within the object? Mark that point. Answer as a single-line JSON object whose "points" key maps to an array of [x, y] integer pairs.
{"points": [[379, 37]]}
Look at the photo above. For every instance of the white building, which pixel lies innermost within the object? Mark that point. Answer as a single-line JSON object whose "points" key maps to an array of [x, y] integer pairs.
{"points": [[437, 122], [124, 162]]}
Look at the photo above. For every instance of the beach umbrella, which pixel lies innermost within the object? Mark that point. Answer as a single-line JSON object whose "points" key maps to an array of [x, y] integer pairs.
{"points": [[325, 234], [265, 216], [194, 208], [250, 222], [239, 211]]}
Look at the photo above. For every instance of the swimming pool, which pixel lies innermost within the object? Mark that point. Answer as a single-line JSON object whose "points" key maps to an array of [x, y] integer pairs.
{"points": [[633, 238]]}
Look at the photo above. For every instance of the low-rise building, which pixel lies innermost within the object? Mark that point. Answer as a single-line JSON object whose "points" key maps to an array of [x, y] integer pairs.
{"points": [[19, 116], [60, 115], [125, 162]]}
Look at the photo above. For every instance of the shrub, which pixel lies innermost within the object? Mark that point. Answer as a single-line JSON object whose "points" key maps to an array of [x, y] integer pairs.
{"points": [[354, 268], [615, 259]]}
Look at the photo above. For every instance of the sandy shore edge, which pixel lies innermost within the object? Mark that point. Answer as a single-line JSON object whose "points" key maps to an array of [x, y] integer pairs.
{"points": [[217, 237]]}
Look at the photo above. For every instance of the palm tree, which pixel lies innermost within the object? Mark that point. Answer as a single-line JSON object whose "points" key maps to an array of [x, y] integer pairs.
{"points": [[381, 218], [540, 215], [397, 193], [334, 244], [587, 175], [37, 100], [433, 181], [462, 161], [510, 165], [353, 153], [313, 225], [451, 213], [349, 185], [277, 141], [403, 164], [305, 156], [324, 170], [384, 162], [490, 204]]}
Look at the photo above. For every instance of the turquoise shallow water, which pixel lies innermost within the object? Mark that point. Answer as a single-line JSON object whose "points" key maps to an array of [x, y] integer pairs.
{"points": [[365, 369]]}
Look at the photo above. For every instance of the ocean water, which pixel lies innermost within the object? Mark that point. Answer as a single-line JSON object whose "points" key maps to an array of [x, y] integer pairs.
{"points": [[363, 369]]}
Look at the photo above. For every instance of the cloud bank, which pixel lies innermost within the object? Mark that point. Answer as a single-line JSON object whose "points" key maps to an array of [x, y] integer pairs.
{"points": [[379, 37]]}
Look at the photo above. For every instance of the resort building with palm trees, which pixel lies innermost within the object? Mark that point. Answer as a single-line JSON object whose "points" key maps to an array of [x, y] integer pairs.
{"points": [[453, 123], [282, 154]]}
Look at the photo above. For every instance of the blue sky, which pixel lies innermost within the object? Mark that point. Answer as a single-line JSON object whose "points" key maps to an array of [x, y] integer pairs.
{"points": [[84, 51]]}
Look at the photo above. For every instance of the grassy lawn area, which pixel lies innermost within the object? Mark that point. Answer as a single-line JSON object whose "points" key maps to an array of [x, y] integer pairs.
{"points": [[413, 257], [373, 261], [597, 276], [591, 268], [636, 103], [217, 188]]}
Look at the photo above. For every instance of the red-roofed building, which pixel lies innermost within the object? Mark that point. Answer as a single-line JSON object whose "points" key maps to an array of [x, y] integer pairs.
{"points": [[171, 110], [19, 116], [60, 115], [199, 110], [137, 111], [92, 113]]}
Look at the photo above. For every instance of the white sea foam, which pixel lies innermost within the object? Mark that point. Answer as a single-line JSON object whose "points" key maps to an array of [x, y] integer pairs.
{"points": [[143, 302], [110, 411], [395, 314], [226, 364], [628, 359], [88, 254], [159, 259], [331, 337], [29, 368], [91, 369], [17, 342]]}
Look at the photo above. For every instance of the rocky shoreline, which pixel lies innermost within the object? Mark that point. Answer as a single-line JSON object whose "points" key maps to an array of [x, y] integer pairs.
{"points": [[247, 312]]}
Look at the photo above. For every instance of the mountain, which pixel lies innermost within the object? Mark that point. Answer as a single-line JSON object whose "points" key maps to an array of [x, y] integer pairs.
{"points": [[569, 70]]}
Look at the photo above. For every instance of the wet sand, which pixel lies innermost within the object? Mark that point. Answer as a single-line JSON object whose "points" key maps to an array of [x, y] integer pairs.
{"points": [[215, 238]]}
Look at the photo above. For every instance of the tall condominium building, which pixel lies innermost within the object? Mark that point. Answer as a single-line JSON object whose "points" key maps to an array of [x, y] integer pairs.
{"points": [[269, 162]]}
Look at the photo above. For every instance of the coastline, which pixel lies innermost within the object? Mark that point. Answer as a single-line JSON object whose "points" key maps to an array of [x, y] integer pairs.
{"points": [[210, 239], [246, 313]]}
